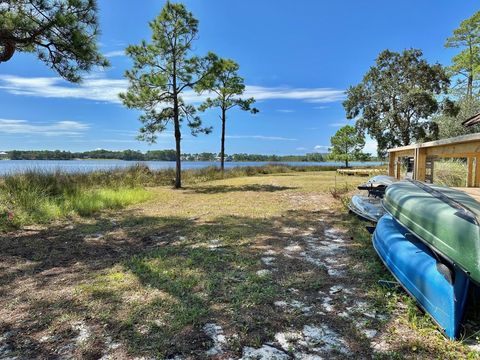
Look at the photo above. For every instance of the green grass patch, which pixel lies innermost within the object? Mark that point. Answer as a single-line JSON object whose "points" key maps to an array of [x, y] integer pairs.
{"points": [[450, 172], [90, 202], [36, 205]]}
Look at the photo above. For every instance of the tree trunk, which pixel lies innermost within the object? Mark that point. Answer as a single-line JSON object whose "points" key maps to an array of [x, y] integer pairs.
{"points": [[178, 154], [178, 135], [470, 74], [470, 85], [346, 156], [222, 149]]}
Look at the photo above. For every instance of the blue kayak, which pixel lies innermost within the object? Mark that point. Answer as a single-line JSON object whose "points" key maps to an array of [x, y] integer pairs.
{"points": [[439, 288]]}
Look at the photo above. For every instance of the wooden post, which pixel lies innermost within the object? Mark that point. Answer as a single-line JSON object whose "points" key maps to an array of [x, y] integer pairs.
{"points": [[469, 171], [391, 164], [420, 164], [398, 168], [477, 171]]}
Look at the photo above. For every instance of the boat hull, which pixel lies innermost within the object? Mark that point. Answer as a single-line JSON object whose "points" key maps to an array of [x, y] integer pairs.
{"points": [[367, 207], [376, 185], [446, 229], [439, 289]]}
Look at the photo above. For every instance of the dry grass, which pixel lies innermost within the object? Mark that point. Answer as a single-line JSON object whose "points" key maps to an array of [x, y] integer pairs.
{"points": [[145, 280]]}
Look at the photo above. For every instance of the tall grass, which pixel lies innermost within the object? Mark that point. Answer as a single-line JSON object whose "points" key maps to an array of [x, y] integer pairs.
{"points": [[450, 172], [40, 197]]}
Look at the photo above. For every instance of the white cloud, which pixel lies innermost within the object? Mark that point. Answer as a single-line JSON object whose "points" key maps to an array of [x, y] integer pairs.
{"points": [[115, 53], [301, 148], [260, 137], [102, 89], [321, 147], [320, 107], [337, 124], [97, 89], [8, 126], [317, 95], [287, 111]]}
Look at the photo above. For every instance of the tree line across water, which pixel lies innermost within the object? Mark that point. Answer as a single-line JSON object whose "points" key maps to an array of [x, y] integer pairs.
{"points": [[160, 155]]}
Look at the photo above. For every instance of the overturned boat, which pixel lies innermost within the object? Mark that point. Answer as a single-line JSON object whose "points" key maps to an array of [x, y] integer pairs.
{"points": [[367, 207], [439, 288], [445, 219], [376, 185], [370, 206]]}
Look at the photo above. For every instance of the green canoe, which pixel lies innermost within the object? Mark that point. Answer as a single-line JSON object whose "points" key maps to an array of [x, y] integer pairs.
{"points": [[444, 218]]}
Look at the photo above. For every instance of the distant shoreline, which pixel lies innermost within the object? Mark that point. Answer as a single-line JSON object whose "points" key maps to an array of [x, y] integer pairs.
{"points": [[194, 161], [86, 166]]}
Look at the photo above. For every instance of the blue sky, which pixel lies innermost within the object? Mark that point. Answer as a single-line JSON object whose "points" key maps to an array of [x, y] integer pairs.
{"points": [[297, 58]]}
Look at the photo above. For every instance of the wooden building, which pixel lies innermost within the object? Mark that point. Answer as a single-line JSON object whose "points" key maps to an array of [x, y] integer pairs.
{"points": [[424, 155]]}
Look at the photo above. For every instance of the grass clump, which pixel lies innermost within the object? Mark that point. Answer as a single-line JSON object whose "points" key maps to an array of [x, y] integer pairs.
{"points": [[36, 197], [88, 203]]}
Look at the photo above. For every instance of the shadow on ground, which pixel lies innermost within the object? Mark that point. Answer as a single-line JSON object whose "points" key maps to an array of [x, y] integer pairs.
{"points": [[220, 189], [152, 283], [185, 272]]}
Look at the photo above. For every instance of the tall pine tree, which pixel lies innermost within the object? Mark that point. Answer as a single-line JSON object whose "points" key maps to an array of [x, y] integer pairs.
{"points": [[227, 87], [162, 71]]}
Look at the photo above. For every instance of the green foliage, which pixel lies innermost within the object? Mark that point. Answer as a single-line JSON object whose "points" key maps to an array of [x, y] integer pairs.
{"points": [[466, 64], [347, 143], [227, 85], [396, 96], [162, 70], [451, 125], [223, 81], [158, 155], [62, 33], [37, 197], [450, 172]]}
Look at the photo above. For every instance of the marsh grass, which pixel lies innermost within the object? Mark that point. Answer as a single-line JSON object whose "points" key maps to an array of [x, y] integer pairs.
{"points": [[38, 197]]}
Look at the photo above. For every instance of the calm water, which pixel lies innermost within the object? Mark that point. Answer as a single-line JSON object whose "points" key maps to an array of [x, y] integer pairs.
{"points": [[18, 166]]}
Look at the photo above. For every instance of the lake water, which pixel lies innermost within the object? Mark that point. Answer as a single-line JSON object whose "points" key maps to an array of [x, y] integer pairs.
{"points": [[73, 166]]}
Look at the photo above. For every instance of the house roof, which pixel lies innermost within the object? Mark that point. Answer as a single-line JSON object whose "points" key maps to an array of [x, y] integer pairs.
{"points": [[443, 142]]}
